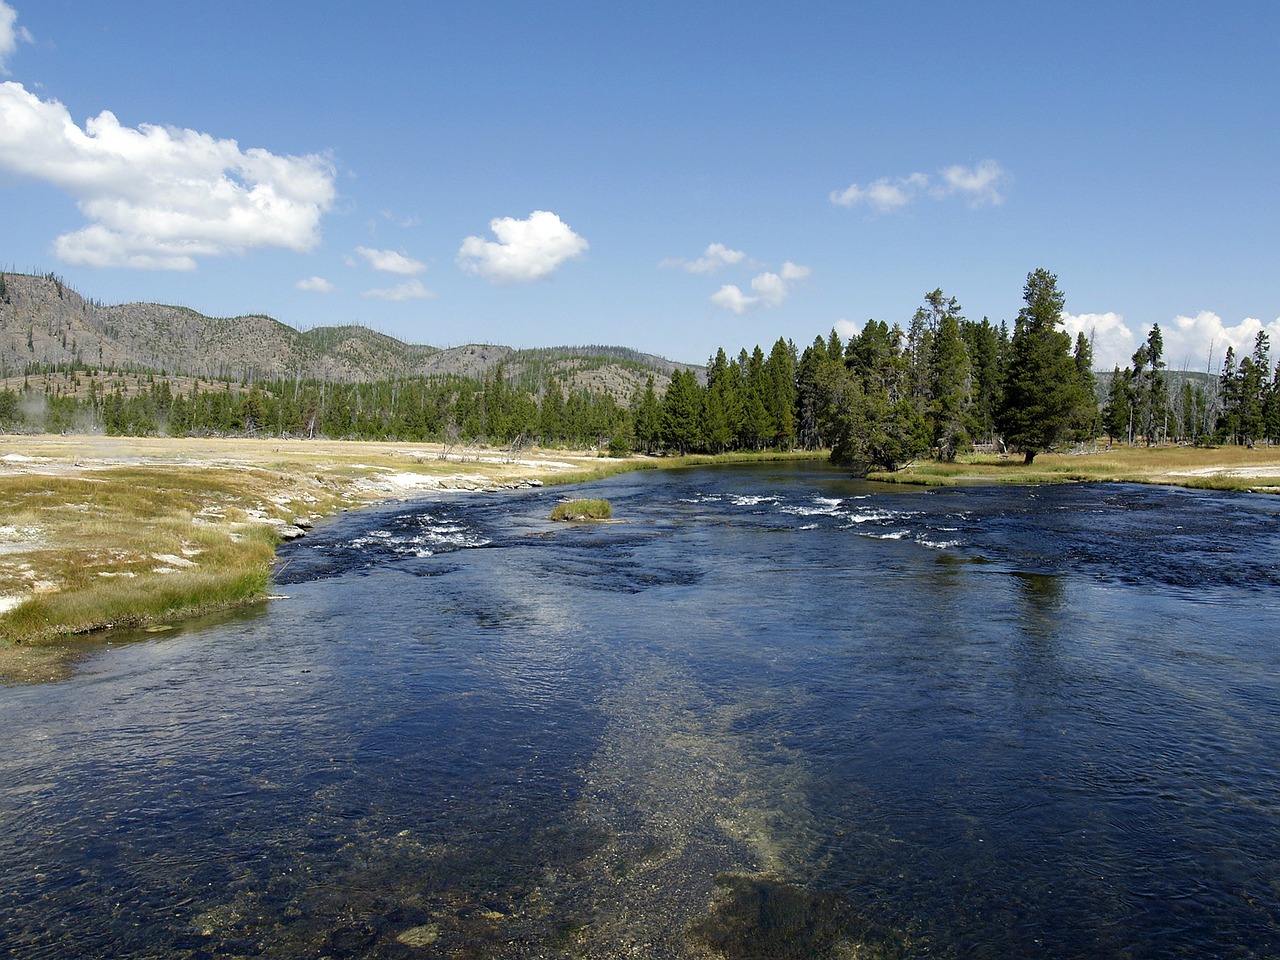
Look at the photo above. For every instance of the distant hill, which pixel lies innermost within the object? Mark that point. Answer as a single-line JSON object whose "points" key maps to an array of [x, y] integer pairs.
{"points": [[44, 323], [1174, 382]]}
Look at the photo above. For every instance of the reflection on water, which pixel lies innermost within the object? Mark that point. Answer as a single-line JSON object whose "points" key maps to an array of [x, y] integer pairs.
{"points": [[775, 712]]}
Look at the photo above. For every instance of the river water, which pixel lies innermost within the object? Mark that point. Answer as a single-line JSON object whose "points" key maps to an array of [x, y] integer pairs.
{"points": [[772, 712]]}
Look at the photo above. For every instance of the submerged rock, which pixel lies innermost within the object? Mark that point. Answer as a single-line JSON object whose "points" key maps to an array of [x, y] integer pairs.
{"points": [[420, 936]]}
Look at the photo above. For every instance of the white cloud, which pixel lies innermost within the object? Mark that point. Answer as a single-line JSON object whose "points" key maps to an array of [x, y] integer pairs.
{"points": [[526, 250], [10, 34], [409, 290], [1190, 343], [847, 328], [315, 285], [884, 195], [767, 289], [389, 261], [731, 297], [404, 222], [770, 289], [716, 255], [159, 197], [1113, 340], [979, 185], [1201, 341]]}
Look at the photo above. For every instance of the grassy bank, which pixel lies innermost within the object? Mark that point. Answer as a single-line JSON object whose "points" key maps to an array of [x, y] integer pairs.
{"points": [[1223, 468], [98, 532], [130, 546]]}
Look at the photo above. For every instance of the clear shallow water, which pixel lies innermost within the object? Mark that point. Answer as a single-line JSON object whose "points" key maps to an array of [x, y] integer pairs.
{"points": [[775, 712]]}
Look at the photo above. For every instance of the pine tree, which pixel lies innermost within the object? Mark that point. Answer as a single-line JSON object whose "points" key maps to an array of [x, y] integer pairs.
{"points": [[1043, 397], [1089, 419], [949, 389], [1148, 394], [722, 409], [551, 418], [647, 417], [1117, 415], [816, 375], [982, 343], [1229, 421], [1272, 407], [682, 412], [757, 425], [1253, 389], [780, 371]]}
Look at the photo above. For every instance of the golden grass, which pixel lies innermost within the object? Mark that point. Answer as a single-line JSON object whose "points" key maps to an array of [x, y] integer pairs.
{"points": [[591, 509], [97, 531], [1222, 468], [128, 546]]}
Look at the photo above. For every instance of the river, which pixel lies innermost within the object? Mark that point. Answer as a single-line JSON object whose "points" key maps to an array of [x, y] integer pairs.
{"points": [[771, 712]]}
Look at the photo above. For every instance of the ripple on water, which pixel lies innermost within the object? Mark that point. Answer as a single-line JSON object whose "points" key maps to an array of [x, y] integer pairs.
{"points": [[983, 722]]}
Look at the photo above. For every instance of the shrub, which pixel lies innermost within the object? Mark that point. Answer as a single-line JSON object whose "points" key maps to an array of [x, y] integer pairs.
{"points": [[583, 510]]}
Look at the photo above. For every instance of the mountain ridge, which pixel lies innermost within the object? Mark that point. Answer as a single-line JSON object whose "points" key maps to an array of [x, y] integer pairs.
{"points": [[44, 322]]}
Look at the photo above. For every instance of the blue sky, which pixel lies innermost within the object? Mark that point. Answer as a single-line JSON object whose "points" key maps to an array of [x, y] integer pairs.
{"points": [[669, 176]]}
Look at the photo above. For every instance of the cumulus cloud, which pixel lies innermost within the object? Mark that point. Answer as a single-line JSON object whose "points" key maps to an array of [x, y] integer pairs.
{"points": [[389, 261], [10, 34], [1113, 340], [767, 290], [847, 328], [159, 197], [979, 185], [731, 297], [409, 290], [315, 285], [1200, 341], [716, 255], [525, 250], [1190, 342]]}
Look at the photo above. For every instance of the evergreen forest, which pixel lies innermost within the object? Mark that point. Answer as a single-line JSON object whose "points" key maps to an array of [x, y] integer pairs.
{"points": [[940, 387]]}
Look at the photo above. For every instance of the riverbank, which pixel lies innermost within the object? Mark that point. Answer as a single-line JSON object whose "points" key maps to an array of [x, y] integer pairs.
{"points": [[1219, 468], [101, 532], [98, 532]]}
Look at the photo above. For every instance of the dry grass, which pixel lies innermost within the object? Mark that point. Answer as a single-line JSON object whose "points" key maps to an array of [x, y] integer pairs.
{"points": [[134, 545], [1223, 468], [98, 532], [582, 510]]}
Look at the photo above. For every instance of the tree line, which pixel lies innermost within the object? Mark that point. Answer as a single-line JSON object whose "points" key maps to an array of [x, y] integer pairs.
{"points": [[887, 396], [880, 399], [1241, 406], [446, 408]]}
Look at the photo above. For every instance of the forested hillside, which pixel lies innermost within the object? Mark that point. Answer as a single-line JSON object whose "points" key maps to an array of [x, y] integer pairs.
{"points": [[880, 399], [45, 326]]}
